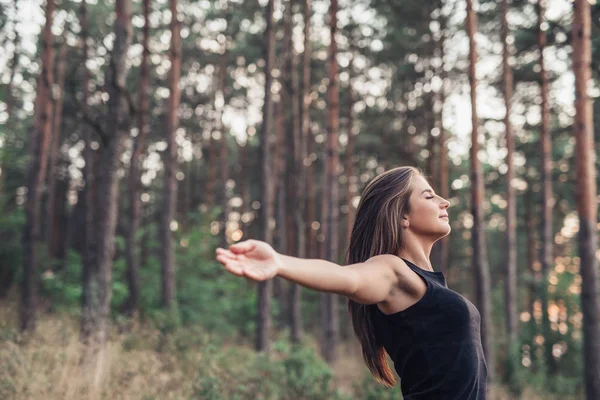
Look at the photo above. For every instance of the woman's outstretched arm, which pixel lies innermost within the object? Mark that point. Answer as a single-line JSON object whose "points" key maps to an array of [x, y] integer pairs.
{"points": [[369, 282]]}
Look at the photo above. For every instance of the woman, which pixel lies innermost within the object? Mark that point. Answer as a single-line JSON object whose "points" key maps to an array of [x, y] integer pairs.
{"points": [[398, 304]]}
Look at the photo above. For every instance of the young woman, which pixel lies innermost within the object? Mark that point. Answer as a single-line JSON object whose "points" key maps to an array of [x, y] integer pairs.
{"points": [[398, 304]]}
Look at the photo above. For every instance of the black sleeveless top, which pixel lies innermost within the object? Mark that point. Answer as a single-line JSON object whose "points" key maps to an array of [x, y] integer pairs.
{"points": [[435, 344]]}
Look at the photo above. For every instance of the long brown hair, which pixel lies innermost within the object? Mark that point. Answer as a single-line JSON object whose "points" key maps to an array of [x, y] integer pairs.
{"points": [[376, 231]]}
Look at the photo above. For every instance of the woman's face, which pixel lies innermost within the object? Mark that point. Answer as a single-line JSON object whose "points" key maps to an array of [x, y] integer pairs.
{"points": [[428, 212]]}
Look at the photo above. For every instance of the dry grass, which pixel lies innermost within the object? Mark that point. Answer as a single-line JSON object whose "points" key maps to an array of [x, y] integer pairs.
{"points": [[47, 365]]}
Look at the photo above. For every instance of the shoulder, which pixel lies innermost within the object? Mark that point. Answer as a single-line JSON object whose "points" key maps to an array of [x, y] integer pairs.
{"points": [[394, 263], [388, 259]]}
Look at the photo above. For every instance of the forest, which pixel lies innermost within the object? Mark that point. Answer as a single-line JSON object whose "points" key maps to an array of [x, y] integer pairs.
{"points": [[137, 136]]}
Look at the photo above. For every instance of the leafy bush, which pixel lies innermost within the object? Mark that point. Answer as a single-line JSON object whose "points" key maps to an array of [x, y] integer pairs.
{"points": [[293, 374]]}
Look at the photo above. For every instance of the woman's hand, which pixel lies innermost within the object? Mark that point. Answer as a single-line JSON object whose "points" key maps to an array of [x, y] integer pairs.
{"points": [[253, 259]]}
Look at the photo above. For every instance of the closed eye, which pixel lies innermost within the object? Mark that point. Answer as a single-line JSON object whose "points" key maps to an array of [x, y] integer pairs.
{"points": [[429, 198]]}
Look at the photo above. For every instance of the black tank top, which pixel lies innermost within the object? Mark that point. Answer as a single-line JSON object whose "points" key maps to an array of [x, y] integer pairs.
{"points": [[435, 344]]}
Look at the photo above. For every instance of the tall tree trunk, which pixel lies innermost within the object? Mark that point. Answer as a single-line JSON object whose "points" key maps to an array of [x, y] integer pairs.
{"points": [[52, 224], [295, 180], [330, 216], [443, 156], [89, 199], [220, 127], [534, 278], [480, 262], [263, 342], [97, 277], [133, 262], [310, 212], [351, 182], [167, 251], [243, 184], [281, 205], [586, 197], [312, 247], [40, 137], [212, 171], [546, 160], [510, 273]]}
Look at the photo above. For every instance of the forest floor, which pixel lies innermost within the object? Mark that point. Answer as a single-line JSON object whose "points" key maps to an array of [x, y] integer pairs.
{"points": [[139, 364]]}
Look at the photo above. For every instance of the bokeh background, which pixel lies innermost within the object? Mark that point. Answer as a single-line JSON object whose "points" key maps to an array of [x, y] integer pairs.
{"points": [[136, 136]]}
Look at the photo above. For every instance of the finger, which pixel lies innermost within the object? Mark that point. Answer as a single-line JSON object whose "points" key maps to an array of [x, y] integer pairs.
{"points": [[232, 266], [226, 253], [242, 247]]}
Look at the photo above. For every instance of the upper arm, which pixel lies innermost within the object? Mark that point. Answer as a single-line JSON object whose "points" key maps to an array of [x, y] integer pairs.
{"points": [[374, 280]]}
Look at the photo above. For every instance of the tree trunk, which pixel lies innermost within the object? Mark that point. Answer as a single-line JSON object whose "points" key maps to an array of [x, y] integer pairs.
{"points": [[480, 262], [310, 210], [212, 171], [133, 262], [330, 216], [220, 127], [295, 180], [351, 181], [263, 341], [312, 248], [167, 251], [510, 273], [534, 279], [97, 277], [281, 205], [52, 224], [586, 197], [40, 137], [89, 279], [547, 236], [244, 189], [443, 156]]}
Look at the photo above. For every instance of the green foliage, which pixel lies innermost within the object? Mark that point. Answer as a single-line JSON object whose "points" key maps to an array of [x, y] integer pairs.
{"points": [[369, 389], [292, 374]]}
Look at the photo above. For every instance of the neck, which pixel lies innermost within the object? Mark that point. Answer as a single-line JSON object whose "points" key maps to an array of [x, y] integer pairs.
{"points": [[417, 250]]}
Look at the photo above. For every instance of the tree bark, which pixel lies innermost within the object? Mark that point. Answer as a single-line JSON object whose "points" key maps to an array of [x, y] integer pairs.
{"points": [[296, 178], [534, 278], [89, 279], [96, 287], [282, 240], [40, 137], [53, 234], [546, 169], [310, 209], [443, 156], [510, 273], [133, 262], [220, 127], [586, 197], [480, 262], [351, 181], [330, 218], [263, 342], [212, 171], [167, 251]]}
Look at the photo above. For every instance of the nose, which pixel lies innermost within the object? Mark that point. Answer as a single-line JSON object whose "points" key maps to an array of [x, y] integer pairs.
{"points": [[444, 203]]}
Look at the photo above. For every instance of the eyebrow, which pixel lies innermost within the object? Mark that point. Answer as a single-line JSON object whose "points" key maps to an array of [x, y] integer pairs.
{"points": [[428, 190]]}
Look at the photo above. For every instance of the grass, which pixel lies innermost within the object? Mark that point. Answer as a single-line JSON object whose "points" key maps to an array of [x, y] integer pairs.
{"points": [[141, 364]]}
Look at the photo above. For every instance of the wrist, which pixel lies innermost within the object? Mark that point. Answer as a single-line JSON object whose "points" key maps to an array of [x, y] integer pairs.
{"points": [[279, 263]]}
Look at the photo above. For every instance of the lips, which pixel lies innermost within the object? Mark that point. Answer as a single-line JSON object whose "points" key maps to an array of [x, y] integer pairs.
{"points": [[445, 216]]}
